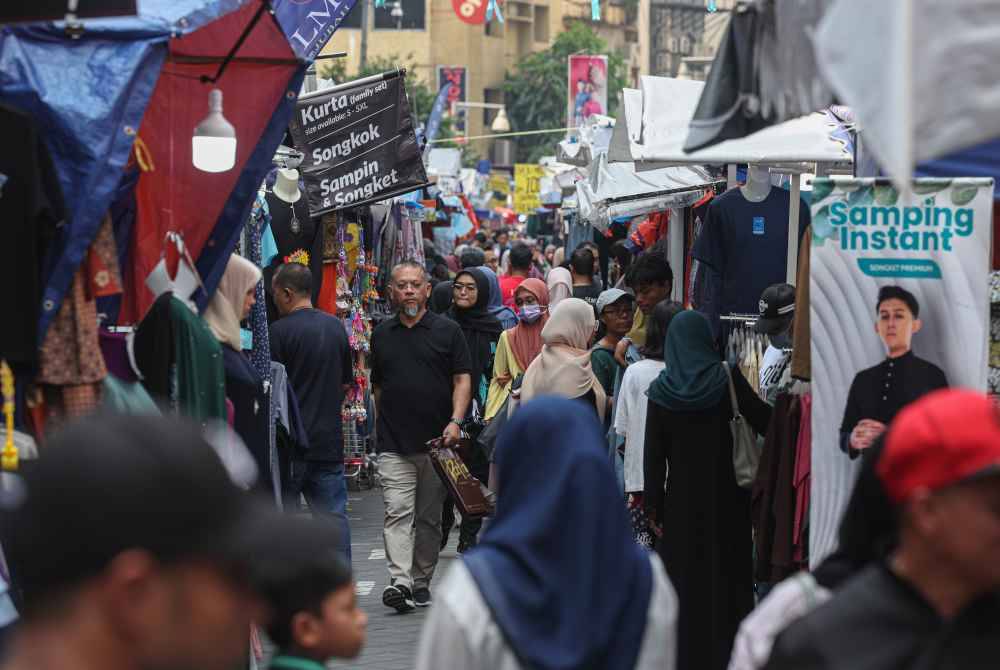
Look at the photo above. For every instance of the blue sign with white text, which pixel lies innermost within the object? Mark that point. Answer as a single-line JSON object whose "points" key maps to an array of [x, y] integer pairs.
{"points": [[309, 24]]}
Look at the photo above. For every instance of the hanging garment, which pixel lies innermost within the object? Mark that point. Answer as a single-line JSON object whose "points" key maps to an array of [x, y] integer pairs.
{"points": [[252, 413], [180, 360], [746, 243], [773, 494], [260, 354], [802, 482], [801, 347], [124, 397], [31, 207]]}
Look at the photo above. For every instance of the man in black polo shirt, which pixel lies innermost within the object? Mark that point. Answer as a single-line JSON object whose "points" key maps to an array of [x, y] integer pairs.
{"points": [[313, 347], [420, 376]]}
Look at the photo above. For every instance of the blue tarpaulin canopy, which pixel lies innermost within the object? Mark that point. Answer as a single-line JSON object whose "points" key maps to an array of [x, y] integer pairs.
{"points": [[140, 76]]}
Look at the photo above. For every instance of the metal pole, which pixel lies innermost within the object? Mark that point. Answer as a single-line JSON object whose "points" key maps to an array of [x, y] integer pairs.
{"points": [[364, 34]]}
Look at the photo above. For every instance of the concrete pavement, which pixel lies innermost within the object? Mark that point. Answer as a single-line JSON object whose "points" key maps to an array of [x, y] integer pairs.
{"points": [[392, 638]]}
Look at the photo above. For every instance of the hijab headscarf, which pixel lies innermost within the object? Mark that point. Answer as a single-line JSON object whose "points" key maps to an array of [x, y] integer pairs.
{"points": [[560, 284], [508, 319], [225, 309], [480, 328], [441, 296], [558, 567], [526, 338], [559, 257], [693, 378], [563, 367]]}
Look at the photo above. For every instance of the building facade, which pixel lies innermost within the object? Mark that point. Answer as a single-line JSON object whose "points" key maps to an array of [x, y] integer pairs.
{"points": [[684, 36], [430, 35]]}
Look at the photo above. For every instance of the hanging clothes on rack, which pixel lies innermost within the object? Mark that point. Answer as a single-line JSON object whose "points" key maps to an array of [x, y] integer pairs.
{"points": [[71, 364], [260, 353], [802, 482], [773, 498], [178, 356]]}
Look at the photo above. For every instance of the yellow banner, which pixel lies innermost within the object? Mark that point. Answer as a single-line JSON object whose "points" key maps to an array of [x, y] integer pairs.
{"points": [[527, 187]]}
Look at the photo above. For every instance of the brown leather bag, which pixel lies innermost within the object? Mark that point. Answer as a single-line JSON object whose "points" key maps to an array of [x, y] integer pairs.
{"points": [[474, 500]]}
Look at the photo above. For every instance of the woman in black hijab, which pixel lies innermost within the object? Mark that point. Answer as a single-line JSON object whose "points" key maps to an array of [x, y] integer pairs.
{"points": [[470, 310], [470, 300]]}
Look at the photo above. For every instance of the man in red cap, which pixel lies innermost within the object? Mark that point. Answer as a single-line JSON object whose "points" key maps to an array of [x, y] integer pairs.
{"points": [[934, 603]]}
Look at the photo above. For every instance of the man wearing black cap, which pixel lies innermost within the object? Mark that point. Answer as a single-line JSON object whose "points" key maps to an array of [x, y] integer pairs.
{"points": [[879, 393], [934, 602], [130, 546], [777, 321]]}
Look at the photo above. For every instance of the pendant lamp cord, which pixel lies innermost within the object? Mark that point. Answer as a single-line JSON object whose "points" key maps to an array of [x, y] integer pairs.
{"points": [[205, 79]]}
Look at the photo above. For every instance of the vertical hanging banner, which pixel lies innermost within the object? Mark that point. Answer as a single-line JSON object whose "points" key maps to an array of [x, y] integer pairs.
{"points": [[309, 24], [359, 143], [455, 77], [899, 307], [588, 88]]}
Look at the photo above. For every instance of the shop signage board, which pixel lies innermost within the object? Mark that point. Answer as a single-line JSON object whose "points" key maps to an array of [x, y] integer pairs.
{"points": [[455, 76], [587, 88], [933, 242], [527, 187], [359, 144]]}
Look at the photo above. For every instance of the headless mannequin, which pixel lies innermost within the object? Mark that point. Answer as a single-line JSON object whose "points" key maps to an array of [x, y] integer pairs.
{"points": [[758, 185], [293, 229]]}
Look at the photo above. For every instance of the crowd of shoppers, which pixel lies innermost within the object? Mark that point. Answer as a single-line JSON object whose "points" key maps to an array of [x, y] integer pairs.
{"points": [[643, 376], [171, 558]]}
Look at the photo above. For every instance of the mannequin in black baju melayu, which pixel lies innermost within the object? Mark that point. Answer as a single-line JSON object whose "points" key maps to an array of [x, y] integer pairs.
{"points": [[293, 229]]}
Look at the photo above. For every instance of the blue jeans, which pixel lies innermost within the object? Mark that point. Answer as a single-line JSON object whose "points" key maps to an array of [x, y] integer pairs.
{"points": [[325, 489]]}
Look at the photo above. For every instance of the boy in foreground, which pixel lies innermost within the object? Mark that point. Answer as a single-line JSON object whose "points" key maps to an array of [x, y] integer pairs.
{"points": [[314, 612]]}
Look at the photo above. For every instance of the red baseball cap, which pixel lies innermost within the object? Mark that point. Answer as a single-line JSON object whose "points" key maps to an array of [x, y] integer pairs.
{"points": [[944, 438]]}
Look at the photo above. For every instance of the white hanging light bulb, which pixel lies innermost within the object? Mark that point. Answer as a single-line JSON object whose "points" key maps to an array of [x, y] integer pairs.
{"points": [[213, 146], [501, 124]]}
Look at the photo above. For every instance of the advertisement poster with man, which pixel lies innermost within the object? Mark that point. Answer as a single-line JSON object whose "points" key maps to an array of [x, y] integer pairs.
{"points": [[899, 307], [588, 88]]}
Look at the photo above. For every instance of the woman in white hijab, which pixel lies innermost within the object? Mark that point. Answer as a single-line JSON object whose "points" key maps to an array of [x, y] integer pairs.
{"points": [[563, 366], [560, 284], [230, 304]]}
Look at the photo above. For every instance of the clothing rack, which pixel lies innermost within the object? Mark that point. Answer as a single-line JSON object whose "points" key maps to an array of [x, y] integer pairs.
{"points": [[743, 318]]}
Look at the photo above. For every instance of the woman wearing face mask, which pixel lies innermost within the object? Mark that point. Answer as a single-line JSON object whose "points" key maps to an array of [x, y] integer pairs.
{"points": [[563, 366], [230, 304], [519, 346]]}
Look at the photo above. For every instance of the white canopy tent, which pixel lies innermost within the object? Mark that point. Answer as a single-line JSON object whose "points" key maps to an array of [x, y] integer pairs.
{"points": [[616, 189], [658, 114]]}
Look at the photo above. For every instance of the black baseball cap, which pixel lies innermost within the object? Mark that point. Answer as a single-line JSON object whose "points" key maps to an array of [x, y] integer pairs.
{"points": [[777, 308], [107, 484]]}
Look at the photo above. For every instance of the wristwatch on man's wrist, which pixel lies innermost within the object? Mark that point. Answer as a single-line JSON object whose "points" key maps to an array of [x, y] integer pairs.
{"points": [[457, 422]]}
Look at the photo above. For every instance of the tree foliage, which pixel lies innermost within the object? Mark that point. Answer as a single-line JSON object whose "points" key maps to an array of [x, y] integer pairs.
{"points": [[535, 92]]}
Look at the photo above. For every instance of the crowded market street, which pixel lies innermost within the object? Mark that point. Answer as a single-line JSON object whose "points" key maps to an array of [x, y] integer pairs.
{"points": [[500, 335]]}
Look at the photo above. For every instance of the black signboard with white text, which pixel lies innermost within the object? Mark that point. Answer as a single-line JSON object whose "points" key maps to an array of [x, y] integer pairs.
{"points": [[358, 142]]}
